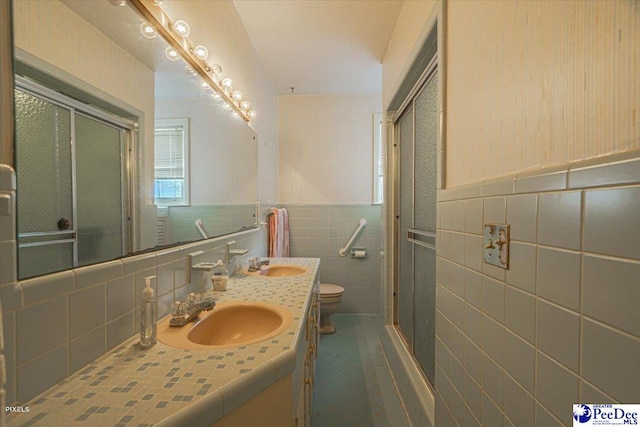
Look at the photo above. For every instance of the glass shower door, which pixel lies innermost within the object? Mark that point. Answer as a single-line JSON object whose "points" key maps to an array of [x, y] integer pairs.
{"points": [[99, 177], [45, 203], [424, 234], [417, 133], [405, 294]]}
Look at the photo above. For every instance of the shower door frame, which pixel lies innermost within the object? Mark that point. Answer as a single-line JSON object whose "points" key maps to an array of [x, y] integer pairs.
{"points": [[431, 69], [127, 131]]}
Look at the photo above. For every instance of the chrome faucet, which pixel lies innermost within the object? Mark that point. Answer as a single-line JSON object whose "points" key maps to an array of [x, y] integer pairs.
{"points": [[255, 264], [184, 312]]}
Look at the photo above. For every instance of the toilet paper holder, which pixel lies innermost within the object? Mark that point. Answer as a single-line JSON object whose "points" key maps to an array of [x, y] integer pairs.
{"points": [[358, 252]]}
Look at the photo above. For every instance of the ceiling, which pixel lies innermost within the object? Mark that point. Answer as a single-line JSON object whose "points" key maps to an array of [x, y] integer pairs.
{"points": [[321, 46], [315, 46]]}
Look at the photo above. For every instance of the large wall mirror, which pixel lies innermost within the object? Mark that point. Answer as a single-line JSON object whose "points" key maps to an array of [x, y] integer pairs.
{"points": [[118, 149]]}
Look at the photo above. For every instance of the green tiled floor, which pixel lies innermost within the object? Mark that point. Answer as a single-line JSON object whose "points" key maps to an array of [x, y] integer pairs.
{"points": [[353, 384]]}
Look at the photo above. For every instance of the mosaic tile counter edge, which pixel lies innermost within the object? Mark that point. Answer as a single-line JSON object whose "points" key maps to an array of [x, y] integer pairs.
{"points": [[162, 385]]}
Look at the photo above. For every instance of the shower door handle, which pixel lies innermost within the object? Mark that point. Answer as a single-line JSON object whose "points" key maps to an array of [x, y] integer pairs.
{"points": [[64, 224], [418, 237]]}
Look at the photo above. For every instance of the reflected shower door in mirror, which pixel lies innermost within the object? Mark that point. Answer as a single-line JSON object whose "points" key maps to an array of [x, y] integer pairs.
{"points": [[100, 58], [71, 173]]}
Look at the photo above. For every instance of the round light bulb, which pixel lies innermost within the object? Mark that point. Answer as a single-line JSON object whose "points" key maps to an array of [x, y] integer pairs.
{"points": [[147, 31], [251, 114], [182, 28], [201, 52], [245, 105], [216, 68], [227, 106], [237, 94], [204, 84], [235, 114], [190, 71], [171, 53], [217, 96], [227, 82]]}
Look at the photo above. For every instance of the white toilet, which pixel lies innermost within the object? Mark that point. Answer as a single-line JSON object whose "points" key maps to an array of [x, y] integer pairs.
{"points": [[330, 297]]}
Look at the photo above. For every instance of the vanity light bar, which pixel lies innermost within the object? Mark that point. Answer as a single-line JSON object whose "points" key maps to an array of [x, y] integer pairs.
{"points": [[164, 26]]}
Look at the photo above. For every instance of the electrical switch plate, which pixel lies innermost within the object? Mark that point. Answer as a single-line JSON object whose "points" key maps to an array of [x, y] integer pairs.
{"points": [[496, 245]]}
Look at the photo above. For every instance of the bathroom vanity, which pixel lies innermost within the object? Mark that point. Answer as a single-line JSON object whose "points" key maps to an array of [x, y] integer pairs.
{"points": [[266, 383]]}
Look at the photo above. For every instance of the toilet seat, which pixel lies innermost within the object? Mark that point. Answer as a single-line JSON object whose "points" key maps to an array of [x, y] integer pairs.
{"points": [[328, 290]]}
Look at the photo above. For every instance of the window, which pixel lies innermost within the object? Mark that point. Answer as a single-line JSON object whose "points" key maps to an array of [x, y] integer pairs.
{"points": [[378, 161], [171, 167]]}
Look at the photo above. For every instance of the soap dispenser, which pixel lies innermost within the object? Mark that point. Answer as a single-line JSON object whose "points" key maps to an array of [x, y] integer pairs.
{"points": [[220, 277], [149, 315]]}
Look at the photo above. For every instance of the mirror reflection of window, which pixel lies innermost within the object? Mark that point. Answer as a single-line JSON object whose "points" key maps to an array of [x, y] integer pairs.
{"points": [[171, 168]]}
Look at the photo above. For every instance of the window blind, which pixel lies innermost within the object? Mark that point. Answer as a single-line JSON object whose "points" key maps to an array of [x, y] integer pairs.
{"points": [[169, 153]]}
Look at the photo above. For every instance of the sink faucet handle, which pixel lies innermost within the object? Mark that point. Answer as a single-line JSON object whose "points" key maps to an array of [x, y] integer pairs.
{"points": [[192, 299], [179, 309], [253, 262]]}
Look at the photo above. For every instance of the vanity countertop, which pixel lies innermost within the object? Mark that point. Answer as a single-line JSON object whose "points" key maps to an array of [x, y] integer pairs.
{"points": [[162, 385]]}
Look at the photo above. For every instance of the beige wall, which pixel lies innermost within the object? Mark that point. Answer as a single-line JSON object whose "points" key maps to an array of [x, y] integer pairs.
{"points": [[533, 84], [326, 148], [529, 84]]}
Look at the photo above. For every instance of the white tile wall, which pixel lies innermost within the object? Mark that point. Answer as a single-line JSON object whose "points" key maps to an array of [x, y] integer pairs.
{"points": [[618, 305], [559, 276], [495, 210], [558, 334], [520, 360], [520, 405], [473, 216], [561, 325], [522, 214], [522, 266], [614, 372], [521, 313], [556, 387], [559, 219], [320, 230], [609, 234], [493, 295]]}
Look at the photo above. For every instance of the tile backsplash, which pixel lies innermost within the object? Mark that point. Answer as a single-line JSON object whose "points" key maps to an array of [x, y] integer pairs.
{"points": [[56, 324], [519, 347], [322, 230]]}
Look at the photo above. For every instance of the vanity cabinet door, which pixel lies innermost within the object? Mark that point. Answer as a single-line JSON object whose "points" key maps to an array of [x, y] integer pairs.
{"points": [[312, 355], [304, 406]]}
